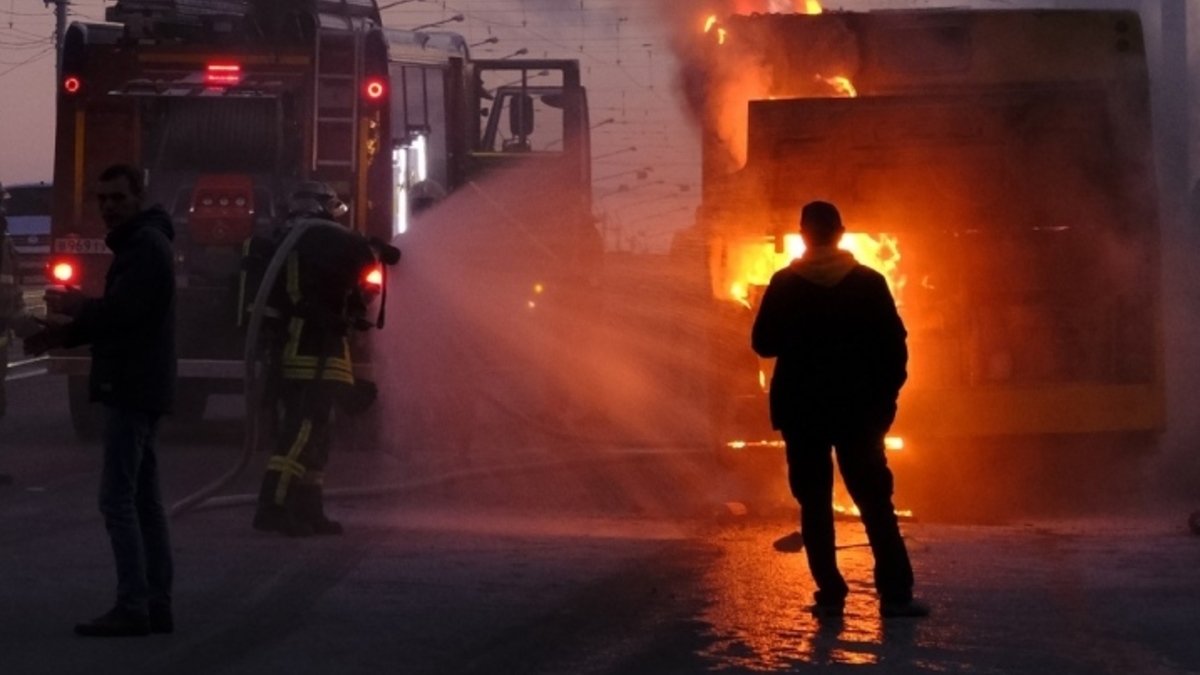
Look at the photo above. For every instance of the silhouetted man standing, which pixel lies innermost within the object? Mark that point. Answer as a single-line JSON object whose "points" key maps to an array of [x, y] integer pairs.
{"points": [[131, 329], [832, 325]]}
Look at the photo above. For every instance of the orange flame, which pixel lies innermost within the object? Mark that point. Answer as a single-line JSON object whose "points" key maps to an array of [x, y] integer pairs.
{"points": [[841, 84], [812, 7], [752, 263]]}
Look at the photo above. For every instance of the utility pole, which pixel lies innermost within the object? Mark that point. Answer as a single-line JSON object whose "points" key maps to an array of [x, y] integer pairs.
{"points": [[1177, 160], [60, 29]]}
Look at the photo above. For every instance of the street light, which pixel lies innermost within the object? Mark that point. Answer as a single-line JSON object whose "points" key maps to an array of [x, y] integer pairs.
{"points": [[490, 41], [456, 17], [520, 52]]}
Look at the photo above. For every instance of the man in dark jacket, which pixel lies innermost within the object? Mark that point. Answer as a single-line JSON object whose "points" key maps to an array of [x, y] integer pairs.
{"points": [[832, 325], [131, 329]]}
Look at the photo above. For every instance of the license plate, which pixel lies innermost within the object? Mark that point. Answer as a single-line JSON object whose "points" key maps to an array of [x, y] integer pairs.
{"points": [[79, 245]]}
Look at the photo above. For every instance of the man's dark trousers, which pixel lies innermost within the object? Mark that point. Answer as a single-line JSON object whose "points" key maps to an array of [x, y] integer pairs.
{"points": [[861, 460], [131, 502]]}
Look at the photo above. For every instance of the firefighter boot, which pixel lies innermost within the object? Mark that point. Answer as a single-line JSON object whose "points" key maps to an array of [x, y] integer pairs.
{"points": [[311, 499], [283, 518]]}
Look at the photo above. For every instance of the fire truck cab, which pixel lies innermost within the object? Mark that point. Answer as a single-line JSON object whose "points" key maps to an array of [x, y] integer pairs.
{"points": [[226, 104]]}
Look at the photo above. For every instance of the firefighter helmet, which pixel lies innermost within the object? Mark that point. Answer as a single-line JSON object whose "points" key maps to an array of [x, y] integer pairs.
{"points": [[314, 198], [426, 194]]}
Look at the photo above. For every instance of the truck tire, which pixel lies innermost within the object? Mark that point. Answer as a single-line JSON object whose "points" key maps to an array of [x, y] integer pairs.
{"points": [[87, 418]]}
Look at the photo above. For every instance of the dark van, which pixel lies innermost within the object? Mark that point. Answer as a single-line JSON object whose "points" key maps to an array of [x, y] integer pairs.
{"points": [[28, 213]]}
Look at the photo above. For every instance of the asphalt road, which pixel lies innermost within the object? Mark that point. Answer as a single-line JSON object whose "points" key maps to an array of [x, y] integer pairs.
{"points": [[561, 559]]}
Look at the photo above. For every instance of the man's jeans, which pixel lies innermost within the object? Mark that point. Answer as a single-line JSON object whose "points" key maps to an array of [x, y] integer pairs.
{"points": [[133, 511], [864, 469]]}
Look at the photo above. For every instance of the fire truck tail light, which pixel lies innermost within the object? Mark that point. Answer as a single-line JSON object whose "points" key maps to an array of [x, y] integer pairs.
{"points": [[62, 272], [375, 89], [71, 84]]}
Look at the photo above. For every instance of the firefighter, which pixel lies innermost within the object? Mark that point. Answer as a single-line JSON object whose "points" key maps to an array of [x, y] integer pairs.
{"points": [[316, 300]]}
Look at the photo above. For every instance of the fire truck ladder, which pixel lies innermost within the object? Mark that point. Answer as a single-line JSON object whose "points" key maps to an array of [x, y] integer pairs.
{"points": [[338, 72]]}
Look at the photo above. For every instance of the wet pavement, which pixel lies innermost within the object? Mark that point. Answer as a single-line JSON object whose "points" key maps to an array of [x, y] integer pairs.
{"points": [[564, 560]]}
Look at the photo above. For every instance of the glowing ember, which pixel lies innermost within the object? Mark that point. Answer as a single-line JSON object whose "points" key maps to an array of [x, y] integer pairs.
{"points": [[812, 7], [709, 23], [891, 443], [848, 512]]}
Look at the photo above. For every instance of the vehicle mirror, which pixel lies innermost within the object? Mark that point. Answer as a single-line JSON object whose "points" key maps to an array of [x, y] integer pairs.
{"points": [[554, 100], [520, 116]]}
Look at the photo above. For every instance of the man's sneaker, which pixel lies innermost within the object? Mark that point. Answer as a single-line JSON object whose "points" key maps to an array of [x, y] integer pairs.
{"points": [[117, 623], [830, 610], [161, 620], [913, 609]]}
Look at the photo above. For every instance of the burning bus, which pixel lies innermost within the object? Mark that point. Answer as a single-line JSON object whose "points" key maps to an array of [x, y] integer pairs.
{"points": [[995, 166]]}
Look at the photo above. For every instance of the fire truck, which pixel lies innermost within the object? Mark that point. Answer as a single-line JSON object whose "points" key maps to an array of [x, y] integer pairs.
{"points": [[995, 166], [227, 104]]}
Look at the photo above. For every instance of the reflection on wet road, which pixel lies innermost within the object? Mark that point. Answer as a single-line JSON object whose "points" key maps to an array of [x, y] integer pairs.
{"points": [[1099, 596], [758, 597]]}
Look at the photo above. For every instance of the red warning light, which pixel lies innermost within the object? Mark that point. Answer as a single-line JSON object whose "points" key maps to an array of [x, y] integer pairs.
{"points": [[62, 272], [375, 89], [71, 84], [222, 74]]}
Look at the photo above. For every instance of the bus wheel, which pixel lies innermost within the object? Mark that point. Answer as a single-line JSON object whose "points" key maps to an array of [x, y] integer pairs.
{"points": [[87, 418]]}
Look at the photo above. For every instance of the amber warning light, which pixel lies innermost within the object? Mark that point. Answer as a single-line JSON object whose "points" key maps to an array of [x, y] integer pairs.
{"points": [[373, 279], [222, 74]]}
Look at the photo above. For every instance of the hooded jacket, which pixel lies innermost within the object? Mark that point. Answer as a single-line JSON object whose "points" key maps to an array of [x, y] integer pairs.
{"points": [[833, 327], [131, 328]]}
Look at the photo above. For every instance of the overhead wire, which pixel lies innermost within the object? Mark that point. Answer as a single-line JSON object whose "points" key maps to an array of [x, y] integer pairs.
{"points": [[13, 66]]}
